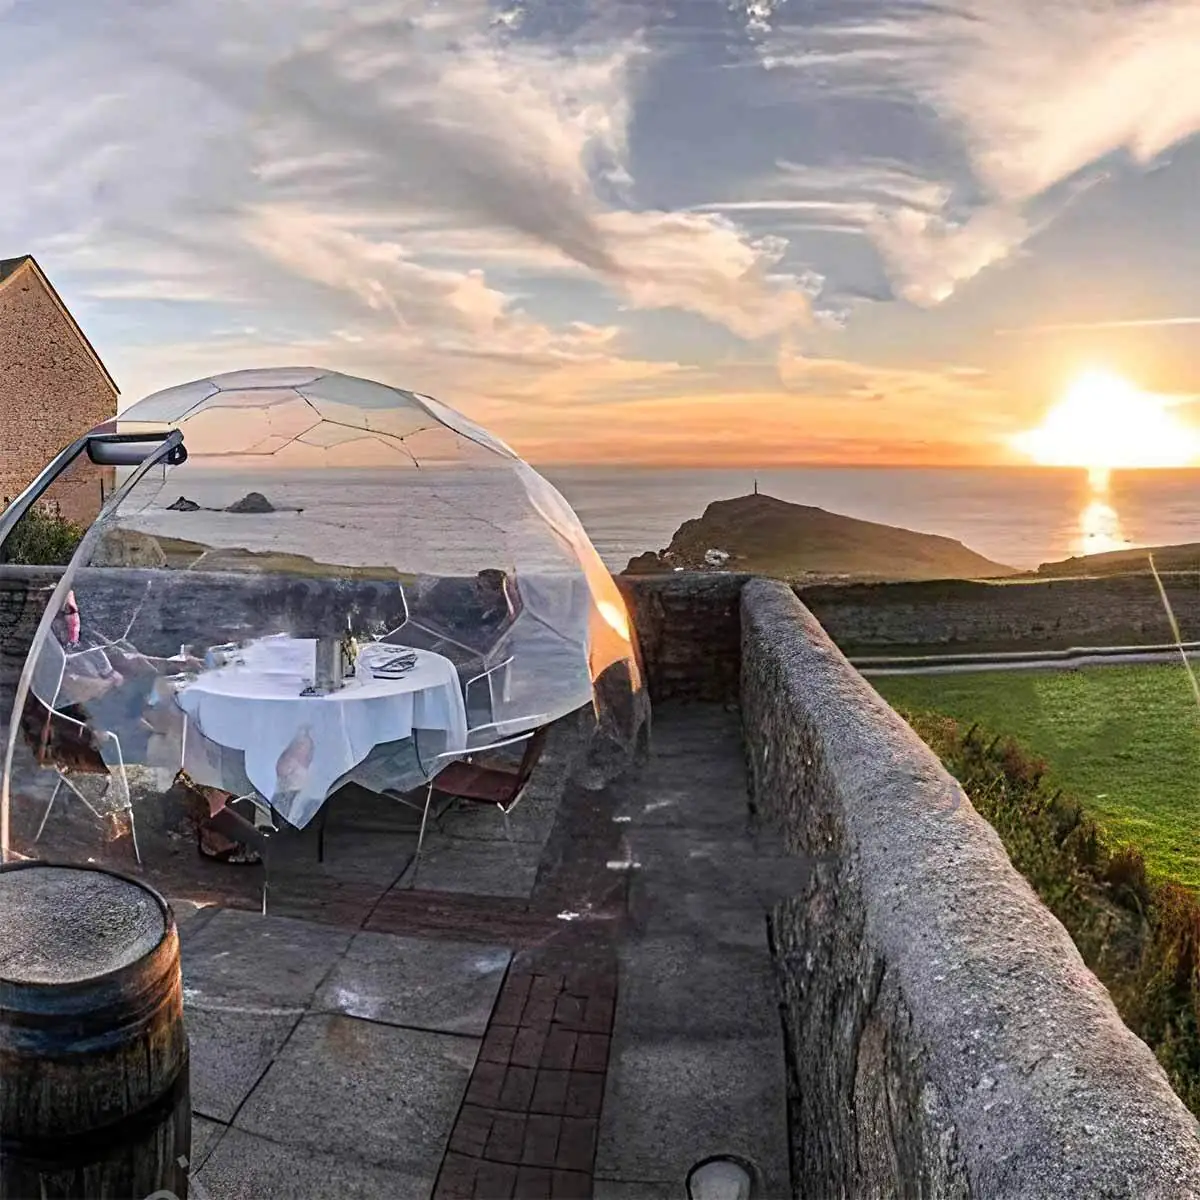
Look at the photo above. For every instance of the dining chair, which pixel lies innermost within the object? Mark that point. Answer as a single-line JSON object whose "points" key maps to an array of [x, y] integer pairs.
{"points": [[79, 752], [498, 679], [464, 777]]}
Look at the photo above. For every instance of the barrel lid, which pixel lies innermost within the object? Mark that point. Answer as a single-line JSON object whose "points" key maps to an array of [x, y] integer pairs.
{"points": [[69, 924]]}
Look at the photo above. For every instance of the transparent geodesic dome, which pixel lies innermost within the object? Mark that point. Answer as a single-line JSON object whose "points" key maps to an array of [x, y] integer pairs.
{"points": [[315, 507]]}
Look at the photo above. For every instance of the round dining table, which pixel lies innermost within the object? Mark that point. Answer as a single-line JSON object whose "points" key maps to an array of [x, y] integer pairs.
{"points": [[298, 746]]}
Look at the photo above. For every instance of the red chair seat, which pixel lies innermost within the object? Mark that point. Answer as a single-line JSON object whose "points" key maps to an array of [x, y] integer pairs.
{"points": [[473, 781], [488, 783]]}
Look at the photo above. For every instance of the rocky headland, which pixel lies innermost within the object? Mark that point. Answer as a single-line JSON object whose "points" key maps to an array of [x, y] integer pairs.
{"points": [[1167, 559], [762, 535]]}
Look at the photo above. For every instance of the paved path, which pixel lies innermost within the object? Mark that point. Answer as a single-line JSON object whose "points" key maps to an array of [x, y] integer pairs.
{"points": [[1023, 660], [592, 1025], [1072, 662], [698, 1063]]}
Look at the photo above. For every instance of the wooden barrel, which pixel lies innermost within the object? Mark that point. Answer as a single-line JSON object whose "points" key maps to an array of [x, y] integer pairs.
{"points": [[94, 1098]]}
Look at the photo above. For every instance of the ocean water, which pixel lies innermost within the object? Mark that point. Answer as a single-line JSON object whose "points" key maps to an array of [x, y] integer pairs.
{"points": [[1018, 516]]}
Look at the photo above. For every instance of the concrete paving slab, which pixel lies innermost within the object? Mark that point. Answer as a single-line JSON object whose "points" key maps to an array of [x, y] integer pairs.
{"points": [[447, 987], [530, 821], [717, 806], [230, 1051], [671, 1103], [691, 734], [655, 910], [205, 1135], [617, 1189], [697, 1066], [353, 854], [359, 1090], [246, 1167], [246, 959], [187, 911], [743, 872], [687, 988], [484, 868]]}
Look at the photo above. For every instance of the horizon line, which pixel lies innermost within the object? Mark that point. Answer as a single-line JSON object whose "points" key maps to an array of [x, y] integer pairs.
{"points": [[548, 464]]}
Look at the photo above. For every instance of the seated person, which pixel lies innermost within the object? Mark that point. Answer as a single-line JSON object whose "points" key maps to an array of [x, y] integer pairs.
{"points": [[102, 685], [71, 683], [469, 612], [87, 674]]}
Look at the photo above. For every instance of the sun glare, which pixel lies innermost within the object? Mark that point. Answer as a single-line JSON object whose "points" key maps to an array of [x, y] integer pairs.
{"points": [[1105, 423]]}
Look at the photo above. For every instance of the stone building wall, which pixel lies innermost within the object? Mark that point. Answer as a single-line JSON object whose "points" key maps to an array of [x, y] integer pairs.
{"points": [[52, 390], [946, 1038]]}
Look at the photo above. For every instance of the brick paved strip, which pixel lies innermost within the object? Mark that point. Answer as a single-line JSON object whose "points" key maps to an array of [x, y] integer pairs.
{"points": [[527, 1127], [496, 920]]}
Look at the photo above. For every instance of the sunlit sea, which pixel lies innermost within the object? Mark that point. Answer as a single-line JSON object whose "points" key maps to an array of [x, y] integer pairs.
{"points": [[1021, 517]]}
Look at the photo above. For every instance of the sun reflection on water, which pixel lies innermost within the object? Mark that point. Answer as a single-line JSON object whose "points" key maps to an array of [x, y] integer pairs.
{"points": [[1099, 525]]}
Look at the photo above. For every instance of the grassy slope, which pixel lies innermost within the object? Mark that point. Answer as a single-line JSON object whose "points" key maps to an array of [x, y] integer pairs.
{"points": [[1124, 740]]}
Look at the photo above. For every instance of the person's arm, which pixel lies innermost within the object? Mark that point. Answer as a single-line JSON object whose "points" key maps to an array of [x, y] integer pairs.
{"points": [[71, 615]]}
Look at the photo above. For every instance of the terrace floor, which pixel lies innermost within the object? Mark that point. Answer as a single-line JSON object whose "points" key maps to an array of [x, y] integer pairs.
{"points": [[587, 1010]]}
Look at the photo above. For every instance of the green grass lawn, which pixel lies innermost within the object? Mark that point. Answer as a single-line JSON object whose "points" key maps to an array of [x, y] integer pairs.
{"points": [[1125, 741]]}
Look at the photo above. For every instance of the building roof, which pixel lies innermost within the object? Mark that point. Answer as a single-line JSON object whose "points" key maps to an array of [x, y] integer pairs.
{"points": [[11, 266]]}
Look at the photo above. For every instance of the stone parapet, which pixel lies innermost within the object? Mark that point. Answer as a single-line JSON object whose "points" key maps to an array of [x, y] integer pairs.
{"points": [[946, 1038]]}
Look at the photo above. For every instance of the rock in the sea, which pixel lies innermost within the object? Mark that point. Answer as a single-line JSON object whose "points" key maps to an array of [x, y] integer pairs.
{"points": [[254, 502], [183, 504]]}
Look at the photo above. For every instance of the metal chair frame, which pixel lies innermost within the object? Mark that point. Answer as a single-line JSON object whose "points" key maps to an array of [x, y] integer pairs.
{"points": [[449, 756], [54, 713]]}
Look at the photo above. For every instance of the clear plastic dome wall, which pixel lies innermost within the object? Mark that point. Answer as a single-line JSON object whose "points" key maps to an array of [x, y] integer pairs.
{"points": [[462, 597]]}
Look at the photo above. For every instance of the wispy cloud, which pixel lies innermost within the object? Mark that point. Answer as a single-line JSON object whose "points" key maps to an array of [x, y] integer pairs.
{"points": [[1085, 326], [1031, 93], [387, 168], [611, 207]]}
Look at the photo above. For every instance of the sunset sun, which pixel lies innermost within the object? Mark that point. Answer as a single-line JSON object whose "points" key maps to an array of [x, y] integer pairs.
{"points": [[1104, 422]]}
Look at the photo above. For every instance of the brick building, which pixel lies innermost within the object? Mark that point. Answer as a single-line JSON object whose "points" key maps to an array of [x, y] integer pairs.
{"points": [[53, 388]]}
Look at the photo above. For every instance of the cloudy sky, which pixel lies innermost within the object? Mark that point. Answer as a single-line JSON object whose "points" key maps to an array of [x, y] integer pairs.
{"points": [[688, 231]]}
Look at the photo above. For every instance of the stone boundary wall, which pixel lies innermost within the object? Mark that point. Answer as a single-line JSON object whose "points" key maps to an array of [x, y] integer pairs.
{"points": [[690, 629], [946, 1038], [689, 625], [23, 595], [969, 616]]}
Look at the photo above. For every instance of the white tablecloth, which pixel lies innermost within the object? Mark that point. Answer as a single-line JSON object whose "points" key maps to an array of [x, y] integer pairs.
{"points": [[296, 747]]}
